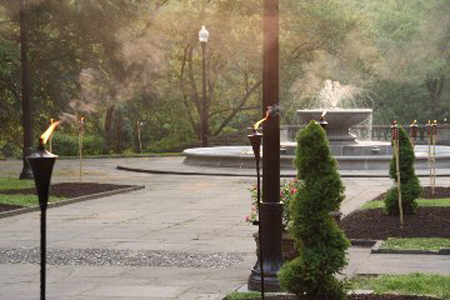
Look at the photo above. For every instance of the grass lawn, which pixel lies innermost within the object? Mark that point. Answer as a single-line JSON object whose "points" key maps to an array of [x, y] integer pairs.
{"points": [[416, 243], [22, 200], [421, 202], [242, 296], [409, 284], [15, 184]]}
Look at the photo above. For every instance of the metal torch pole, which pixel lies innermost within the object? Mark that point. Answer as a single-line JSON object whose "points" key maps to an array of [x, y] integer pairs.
{"points": [[43, 248], [258, 193]]}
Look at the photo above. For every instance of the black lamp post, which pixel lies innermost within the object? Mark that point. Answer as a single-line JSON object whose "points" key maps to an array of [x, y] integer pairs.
{"points": [[203, 36], [41, 163], [271, 207]]}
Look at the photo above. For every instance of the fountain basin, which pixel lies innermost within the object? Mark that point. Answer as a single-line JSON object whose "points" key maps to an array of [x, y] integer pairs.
{"points": [[339, 122], [242, 157]]}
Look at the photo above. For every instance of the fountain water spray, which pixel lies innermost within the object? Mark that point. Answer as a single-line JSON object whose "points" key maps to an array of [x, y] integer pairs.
{"points": [[396, 145]]}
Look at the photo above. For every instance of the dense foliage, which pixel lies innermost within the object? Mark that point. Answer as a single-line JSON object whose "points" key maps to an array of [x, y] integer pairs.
{"points": [[409, 182], [124, 61], [320, 242]]}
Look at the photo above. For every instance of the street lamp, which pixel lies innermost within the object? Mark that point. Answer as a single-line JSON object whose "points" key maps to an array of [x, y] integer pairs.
{"points": [[203, 36]]}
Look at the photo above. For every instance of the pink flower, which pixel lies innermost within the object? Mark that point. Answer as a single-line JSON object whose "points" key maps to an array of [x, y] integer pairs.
{"points": [[247, 218]]}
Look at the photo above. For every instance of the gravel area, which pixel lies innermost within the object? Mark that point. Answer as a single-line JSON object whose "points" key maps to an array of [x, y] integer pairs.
{"points": [[117, 258]]}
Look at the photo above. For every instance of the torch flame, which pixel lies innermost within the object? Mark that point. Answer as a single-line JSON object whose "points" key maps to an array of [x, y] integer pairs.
{"points": [[323, 114], [257, 124], [46, 135], [414, 122]]}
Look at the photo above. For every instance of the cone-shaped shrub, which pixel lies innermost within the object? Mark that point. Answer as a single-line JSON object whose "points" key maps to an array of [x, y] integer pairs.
{"points": [[409, 182], [320, 242]]}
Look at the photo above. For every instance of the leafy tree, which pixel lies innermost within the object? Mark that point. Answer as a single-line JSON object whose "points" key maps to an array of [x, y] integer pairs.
{"points": [[409, 182], [320, 242]]}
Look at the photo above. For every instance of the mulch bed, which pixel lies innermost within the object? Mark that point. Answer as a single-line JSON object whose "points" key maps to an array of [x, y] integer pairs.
{"points": [[64, 190], [376, 225], [358, 297]]}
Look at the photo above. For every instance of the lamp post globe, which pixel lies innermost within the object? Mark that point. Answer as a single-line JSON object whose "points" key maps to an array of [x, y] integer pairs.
{"points": [[203, 35]]}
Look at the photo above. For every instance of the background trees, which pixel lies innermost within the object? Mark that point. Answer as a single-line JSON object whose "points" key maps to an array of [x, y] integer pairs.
{"points": [[124, 61]]}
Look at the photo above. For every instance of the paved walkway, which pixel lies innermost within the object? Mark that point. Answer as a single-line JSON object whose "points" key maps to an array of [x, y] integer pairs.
{"points": [[191, 226]]}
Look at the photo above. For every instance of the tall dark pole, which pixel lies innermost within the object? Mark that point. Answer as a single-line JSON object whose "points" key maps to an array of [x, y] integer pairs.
{"points": [[26, 111], [271, 208], [204, 117]]}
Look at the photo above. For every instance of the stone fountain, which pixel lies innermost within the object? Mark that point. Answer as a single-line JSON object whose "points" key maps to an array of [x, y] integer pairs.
{"points": [[351, 153]]}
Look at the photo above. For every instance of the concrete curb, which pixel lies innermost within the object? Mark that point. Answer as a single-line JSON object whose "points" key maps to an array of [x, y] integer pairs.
{"points": [[187, 173], [25, 210], [226, 173], [376, 249], [363, 243]]}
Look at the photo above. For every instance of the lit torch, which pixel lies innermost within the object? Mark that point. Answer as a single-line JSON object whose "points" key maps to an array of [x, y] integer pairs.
{"points": [[41, 163], [51, 137], [255, 140], [396, 144], [322, 122], [413, 131], [80, 141]]}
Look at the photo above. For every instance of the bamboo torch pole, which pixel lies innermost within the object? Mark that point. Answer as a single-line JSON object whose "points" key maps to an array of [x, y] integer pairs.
{"points": [[430, 163], [80, 143], [396, 144], [139, 123], [433, 137]]}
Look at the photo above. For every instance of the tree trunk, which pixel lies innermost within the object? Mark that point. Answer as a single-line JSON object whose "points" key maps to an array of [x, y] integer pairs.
{"points": [[26, 94]]}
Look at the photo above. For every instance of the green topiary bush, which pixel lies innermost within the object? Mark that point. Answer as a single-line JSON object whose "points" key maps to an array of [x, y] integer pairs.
{"points": [[320, 242], [410, 185]]}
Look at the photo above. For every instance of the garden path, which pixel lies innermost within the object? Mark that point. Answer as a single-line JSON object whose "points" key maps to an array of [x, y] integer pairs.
{"points": [[192, 226]]}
